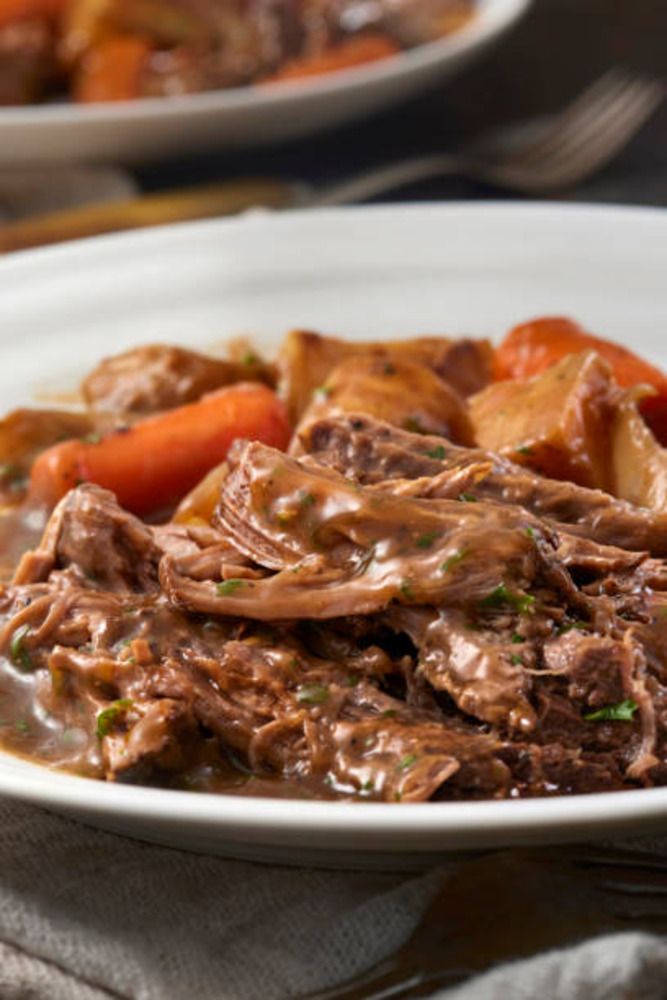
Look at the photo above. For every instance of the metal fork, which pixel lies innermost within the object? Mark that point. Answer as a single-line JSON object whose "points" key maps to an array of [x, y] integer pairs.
{"points": [[513, 904], [536, 158]]}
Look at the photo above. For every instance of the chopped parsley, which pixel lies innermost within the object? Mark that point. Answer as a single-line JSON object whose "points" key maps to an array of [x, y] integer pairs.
{"points": [[426, 540], [524, 450], [406, 589], [501, 597], [93, 438], [19, 654], [453, 560], [368, 786], [530, 532], [352, 680], [107, 719], [516, 638], [307, 499], [22, 726], [623, 712], [322, 392], [312, 694], [389, 713], [568, 626], [437, 452], [250, 358], [466, 498], [414, 425], [407, 761], [515, 660], [228, 587]]}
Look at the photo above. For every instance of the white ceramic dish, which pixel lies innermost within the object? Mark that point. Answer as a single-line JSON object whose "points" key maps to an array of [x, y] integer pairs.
{"points": [[374, 271], [150, 129]]}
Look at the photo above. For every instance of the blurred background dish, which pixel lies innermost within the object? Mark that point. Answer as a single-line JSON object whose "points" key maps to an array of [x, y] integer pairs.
{"points": [[150, 128]]}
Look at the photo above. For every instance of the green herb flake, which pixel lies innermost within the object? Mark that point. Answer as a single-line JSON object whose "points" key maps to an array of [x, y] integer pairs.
{"points": [[623, 712], [307, 499], [530, 532], [11, 473], [389, 713], [22, 726], [568, 626], [368, 786], [438, 452], [524, 450], [426, 540], [466, 498], [515, 660], [501, 597], [352, 680], [414, 425], [250, 358], [407, 761], [322, 392], [228, 587], [312, 694], [406, 590], [93, 438], [397, 796], [19, 654], [516, 638], [107, 718], [453, 560]]}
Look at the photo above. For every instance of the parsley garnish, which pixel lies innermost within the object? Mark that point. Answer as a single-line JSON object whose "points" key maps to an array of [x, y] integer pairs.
{"points": [[515, 660], [312, 694], [307, 499], [426, 541], [249, 359], [530, 532], [406, 589], [414, 425], [407, 762], [517, 638], [466, 498], [228, 587], [623, 712], [453, 560], [19, 654], [437, 452], [92, 438], [107, 719], [525, 450], [501, 596]]}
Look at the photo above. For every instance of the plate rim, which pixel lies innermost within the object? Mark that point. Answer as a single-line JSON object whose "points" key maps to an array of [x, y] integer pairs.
{"points": [[495, 17]]}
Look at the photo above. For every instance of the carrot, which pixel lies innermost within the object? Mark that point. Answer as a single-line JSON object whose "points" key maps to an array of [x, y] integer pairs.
{"points": [[111, 69], [530, 348], [150, 465], [19, 10], [345, 55]]}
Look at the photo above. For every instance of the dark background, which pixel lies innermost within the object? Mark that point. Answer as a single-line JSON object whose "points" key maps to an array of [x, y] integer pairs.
{"points": [[556, 50]]}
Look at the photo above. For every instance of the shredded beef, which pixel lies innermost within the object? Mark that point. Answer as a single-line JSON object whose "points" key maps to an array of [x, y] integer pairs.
{"points": [[350, 626]]}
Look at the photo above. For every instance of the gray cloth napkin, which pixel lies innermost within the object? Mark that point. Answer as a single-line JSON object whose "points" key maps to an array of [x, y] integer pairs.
{"points": [[86, 915]]}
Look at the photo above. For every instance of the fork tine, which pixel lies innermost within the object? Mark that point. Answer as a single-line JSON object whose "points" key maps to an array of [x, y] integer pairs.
{"points": [[585, 149], [588, 106], [610, 126]]}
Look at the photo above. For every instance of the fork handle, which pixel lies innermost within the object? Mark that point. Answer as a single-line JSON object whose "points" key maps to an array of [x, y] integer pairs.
{"points": [[377, 182]]}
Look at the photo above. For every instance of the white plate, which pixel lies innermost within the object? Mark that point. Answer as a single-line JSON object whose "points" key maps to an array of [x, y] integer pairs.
{"points": [[373, 271], [149, 129]]}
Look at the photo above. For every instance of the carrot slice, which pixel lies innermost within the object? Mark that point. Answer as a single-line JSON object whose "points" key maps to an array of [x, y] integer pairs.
{"points": [[346, 55], [111, 70], [19, 10], [530, 348], [150, 465]]}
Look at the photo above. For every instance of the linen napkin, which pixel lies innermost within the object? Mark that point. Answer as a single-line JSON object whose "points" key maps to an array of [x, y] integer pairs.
{"points": [[87, 915]]}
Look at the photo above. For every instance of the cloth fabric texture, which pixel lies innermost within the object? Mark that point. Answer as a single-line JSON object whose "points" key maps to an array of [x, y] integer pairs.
{"points": [[87, 915]]}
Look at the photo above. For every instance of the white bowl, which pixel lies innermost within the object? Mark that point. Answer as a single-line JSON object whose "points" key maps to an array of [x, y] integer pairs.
{"points": [[153, 128], [473, 269]]}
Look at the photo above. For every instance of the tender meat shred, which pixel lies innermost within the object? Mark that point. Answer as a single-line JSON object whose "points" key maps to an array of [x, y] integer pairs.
{"points": [[350, 626], [375, 453]]}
